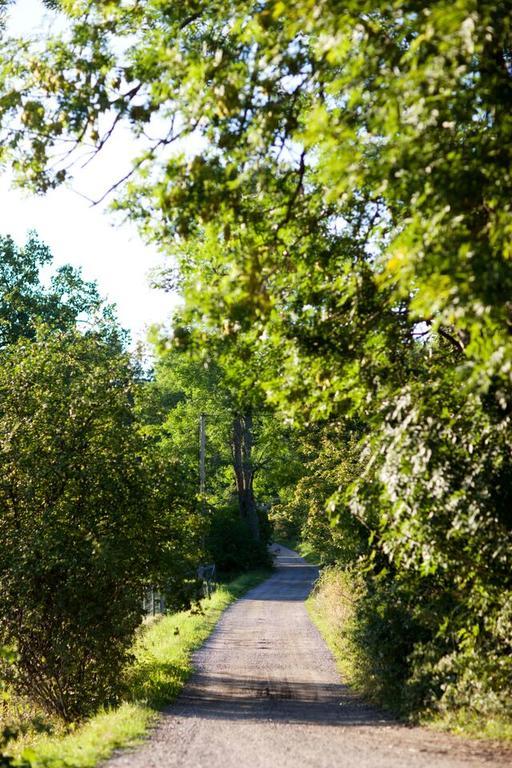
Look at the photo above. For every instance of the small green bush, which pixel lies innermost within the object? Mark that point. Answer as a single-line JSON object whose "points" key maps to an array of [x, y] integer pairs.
{"points": [[383, 633], [373, 631], [231, 545], [160, 665]]}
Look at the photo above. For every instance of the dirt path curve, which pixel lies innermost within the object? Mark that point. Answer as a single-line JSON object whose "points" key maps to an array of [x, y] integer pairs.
{"points": [[266, 693]]}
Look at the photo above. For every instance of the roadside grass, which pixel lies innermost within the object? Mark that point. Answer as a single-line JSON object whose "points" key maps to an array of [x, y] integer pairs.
{"points": [[330, 607], [471, 725], [304, 549], [162, 665]]}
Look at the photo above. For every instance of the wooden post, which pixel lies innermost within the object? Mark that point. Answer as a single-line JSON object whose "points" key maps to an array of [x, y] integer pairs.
{"points": [[202, 459]]}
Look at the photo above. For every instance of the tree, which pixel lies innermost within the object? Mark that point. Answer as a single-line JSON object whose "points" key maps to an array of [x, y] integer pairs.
{"points": [[25, 302], [413, 107], [313, 508], [178, 526], [245, 446], [91, 513], [242, 445]]}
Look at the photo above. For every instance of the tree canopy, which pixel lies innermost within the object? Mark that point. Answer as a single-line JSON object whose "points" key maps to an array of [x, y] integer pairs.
{"points": [[342, 171]]}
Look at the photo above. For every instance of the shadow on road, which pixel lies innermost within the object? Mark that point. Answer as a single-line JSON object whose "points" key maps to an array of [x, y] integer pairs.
{"points": [[228, 698]]}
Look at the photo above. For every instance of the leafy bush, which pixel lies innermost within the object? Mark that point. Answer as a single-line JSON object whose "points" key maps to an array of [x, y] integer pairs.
{"points": [[73, 528], [441, 479], [231, 545], [395, 638]]}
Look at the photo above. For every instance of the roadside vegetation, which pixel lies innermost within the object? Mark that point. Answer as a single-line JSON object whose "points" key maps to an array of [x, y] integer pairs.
{"points": [[338, 606], [304, 549], [160, 666], [332, 189]]}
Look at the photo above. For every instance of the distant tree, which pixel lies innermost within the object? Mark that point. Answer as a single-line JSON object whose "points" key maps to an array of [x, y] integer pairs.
{"points": [[26, 302], [245, 446]]}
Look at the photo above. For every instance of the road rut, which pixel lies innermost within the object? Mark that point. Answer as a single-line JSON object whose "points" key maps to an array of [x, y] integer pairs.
{"points": [[266, 692]]}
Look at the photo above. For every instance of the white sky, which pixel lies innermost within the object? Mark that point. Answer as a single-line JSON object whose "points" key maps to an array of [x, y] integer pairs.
{"points": [[84, 236], [77, 234]]}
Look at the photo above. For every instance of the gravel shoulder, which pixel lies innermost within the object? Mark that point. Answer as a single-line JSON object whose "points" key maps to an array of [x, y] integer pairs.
{"points": [[266, 692]]}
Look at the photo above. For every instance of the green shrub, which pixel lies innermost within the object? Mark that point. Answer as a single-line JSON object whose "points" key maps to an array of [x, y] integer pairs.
{"points": [[74, 534], [467, 665], [373, 629], [231, 545], [389, 634], [383, 633]]}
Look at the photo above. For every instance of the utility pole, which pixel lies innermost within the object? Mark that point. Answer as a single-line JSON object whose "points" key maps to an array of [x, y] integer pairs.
{"points": [[202, 460]]}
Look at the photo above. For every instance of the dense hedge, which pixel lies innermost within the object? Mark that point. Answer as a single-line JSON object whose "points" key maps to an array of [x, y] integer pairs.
{"points": [[74, 528]]}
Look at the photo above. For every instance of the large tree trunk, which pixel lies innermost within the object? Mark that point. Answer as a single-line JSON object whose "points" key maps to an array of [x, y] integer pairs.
{"points": [[244, 471]]}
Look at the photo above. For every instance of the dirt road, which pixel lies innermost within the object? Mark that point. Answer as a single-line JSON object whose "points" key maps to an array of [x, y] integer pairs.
{"points": [[266, 693]]}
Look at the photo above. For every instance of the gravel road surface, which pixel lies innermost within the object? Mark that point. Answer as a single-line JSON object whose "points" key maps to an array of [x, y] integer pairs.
{"points": [[266, 694]]}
